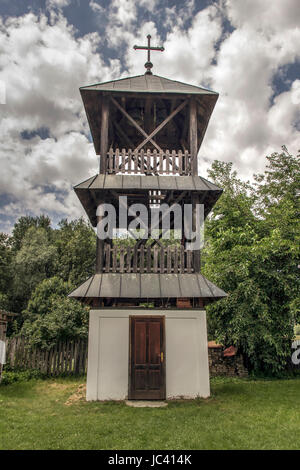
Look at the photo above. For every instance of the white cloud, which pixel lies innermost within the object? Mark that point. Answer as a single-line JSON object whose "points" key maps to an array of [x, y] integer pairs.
{"points": [[268, 16], [96, 7], [42, 66], [246, 126], [58, 3]]}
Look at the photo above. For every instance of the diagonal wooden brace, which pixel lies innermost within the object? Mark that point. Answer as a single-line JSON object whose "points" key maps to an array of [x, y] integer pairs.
{"points": [[159, 128], [134, 123]]}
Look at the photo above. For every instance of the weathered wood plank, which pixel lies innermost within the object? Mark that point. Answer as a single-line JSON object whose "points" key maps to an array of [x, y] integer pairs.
{"points": [[104, 134], [193, 136]]}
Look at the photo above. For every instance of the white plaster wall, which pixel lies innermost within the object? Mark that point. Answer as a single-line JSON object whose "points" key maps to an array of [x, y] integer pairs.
{"points": [[187, 373]]}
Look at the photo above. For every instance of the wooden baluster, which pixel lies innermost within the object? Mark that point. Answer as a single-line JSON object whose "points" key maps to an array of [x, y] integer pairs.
{"points": [[136, 156], [175, 260], [129, 169], [142, 258], [117, 161], [181, 258], [114, 266], [161, 162], [107, 258], [155, 259], [121, 259], [162, 260], [110, 161], [135, 256], [148, 162], [149, 259], [123, 161], [155, 162], [142, 160], [180, 162], [189, 263], [187, 163], [167, 162], [128, 259], [173, 162], [169, 260]]}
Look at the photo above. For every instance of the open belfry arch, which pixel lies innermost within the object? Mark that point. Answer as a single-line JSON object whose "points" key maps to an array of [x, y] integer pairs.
{"points": [[147, 336]]}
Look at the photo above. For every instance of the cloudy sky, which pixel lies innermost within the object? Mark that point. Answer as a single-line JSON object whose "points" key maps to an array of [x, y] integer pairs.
{"points": [[246, 50]]}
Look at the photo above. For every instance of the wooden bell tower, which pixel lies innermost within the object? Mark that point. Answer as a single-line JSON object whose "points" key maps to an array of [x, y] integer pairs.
{"points": [[147, 131]]}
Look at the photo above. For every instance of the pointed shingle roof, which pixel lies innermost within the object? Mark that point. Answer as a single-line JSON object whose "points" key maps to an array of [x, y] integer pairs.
{"points": [[149, 84]]}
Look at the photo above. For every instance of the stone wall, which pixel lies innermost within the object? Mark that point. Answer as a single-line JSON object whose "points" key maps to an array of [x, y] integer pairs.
{"points": [[227, 365]]}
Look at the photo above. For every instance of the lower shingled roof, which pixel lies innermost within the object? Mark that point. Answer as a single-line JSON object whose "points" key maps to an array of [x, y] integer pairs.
{"points": [[147, 286]]}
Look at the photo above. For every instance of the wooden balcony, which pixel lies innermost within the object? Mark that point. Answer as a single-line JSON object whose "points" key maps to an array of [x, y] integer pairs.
{"points": [[148, 163], [171, 259]]}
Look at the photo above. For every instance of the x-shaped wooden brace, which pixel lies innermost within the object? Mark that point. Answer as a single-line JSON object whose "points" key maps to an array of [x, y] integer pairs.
{"points": [[171, 201], [149, 138]]}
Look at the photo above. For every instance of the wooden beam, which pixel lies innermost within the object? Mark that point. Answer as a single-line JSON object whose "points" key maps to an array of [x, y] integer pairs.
{"points": [[196, 253], [104, 134], [134, 123], [148, 120], [150, 136], [193, 136], [99, 250]]}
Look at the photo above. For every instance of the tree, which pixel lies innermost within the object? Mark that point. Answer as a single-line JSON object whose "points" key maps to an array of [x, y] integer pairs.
{"points": [[251, 252], [5, 269], [34, 262], [26, 222], [75, 243], [51, 317]]}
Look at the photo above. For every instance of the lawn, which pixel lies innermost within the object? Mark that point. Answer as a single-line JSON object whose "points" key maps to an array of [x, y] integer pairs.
{"points": [[241, 414]]}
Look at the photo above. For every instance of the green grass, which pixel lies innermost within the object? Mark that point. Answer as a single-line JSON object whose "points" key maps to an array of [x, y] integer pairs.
{"points": [[241, 414]]}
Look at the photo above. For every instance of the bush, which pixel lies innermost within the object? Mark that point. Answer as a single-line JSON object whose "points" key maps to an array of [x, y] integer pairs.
{"points": [[12, 376]]}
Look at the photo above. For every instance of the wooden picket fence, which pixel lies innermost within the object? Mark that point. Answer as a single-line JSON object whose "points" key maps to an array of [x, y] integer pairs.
{"points": [[68, 358]]}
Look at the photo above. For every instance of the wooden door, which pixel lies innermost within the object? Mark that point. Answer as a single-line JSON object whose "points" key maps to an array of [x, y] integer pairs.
{"points": [[147, 358]]}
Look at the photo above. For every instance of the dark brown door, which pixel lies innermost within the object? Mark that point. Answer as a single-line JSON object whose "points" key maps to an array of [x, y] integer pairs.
{"points": [[147, 361]]}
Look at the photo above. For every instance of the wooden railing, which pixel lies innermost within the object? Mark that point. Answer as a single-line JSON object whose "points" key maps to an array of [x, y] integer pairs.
{"points": [[148, 163], [171, 259]]}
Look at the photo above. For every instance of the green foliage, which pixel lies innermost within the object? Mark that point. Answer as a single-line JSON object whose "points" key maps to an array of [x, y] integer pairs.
{"points": [[34, 262], [252, 252], [9, 377], [75, 242], [5, 264], [39, 267], [26, 222], [51, 317]]}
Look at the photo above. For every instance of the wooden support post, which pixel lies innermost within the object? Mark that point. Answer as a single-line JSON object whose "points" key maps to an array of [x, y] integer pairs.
{"points": [[148, 120], [196, 253], [99, 251], [193, 136], [104, 134]]}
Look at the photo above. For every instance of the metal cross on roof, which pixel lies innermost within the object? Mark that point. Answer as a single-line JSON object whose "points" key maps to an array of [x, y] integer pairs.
{"points": [[148, 48]]}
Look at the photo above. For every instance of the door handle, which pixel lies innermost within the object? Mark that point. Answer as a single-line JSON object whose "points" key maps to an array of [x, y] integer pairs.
{"points": [[161, 357]]}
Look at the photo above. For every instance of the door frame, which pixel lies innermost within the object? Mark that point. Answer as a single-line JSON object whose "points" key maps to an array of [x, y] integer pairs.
{"points": [[163, 350]]}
